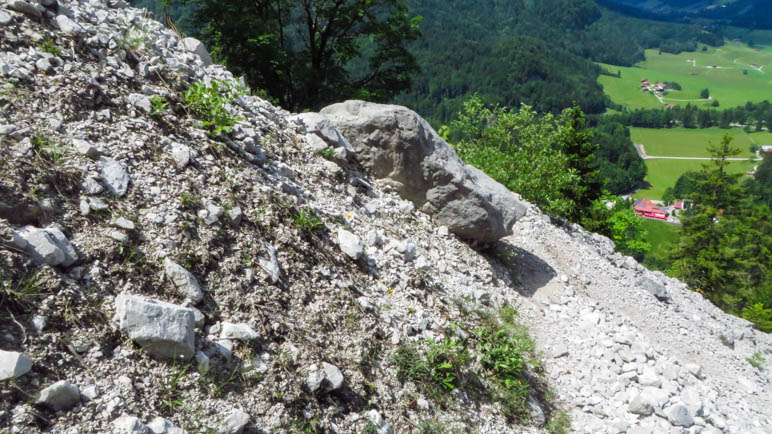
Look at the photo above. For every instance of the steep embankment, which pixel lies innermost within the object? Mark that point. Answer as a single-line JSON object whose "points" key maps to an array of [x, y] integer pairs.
{"points": [[245, 282]]}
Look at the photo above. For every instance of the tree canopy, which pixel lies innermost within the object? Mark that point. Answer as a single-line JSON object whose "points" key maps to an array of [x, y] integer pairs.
{"points": [[309, 53]]}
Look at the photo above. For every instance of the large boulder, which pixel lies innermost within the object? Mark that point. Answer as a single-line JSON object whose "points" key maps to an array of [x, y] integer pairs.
{"points": [[164, 330], [395, 144]]}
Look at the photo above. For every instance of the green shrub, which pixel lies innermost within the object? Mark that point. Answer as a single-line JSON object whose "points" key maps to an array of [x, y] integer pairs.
{"points": [[327, 153], [207, 104]]}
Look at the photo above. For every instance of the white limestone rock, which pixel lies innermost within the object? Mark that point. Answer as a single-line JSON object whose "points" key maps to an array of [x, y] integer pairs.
{"points": [[163, 329], [184, 281], [59, 396], [13, 364]]}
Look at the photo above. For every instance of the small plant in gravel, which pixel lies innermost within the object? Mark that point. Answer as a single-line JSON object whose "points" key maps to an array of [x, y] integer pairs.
{"points": [[189, 201], [327, 153], [134, 38], [429, 426], [46, 150], [757, 360], [559, 423], [438, 370], [171, 392], [159, 105], [18, 294], [307, 221], [207, 104], [50, 47], [503, 346]]}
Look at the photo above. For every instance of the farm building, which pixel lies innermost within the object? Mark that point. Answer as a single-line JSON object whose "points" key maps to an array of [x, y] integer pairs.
{"points": [[766, 148], [646, 208]]}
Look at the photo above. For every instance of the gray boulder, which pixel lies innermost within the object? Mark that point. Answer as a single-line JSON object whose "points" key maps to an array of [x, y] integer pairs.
{"points": [[395, 144], [239, 332], [184, 281], [197, 47], [13, 364], [46, 246], [59, 396], [655, 289], [164, 330]]}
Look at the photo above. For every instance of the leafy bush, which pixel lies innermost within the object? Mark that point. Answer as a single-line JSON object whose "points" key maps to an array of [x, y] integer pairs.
{"points": [[516, 148], [50, 47], [207, 104]]}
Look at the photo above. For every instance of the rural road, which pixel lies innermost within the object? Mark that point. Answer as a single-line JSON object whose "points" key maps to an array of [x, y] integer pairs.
{"points": [[642, 152]]}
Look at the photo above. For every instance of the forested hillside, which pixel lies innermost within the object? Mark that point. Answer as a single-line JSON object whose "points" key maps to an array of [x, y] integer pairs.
{"points": [[538, 53], [745, 13]]}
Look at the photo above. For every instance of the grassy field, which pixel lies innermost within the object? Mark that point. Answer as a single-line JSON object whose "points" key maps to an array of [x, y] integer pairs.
{"points": [[665, 173], [721, 70], [683, 142], [660, 233]]}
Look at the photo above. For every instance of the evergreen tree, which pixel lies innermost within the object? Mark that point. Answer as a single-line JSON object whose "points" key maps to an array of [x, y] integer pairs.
{"points": [[576, 142], [726, 241]]}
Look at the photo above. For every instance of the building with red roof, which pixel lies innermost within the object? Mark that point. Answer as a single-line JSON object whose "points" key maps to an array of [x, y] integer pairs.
{"points": [[646, 208]]}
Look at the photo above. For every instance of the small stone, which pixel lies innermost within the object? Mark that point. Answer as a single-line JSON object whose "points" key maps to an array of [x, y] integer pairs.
{"points": [[59, 396], [657, 290], [114, 176], [160, 425], [695, 370], [90, 392], [315, 379], [39, 321], [239, 332], [180, 155], [91, 186], [641, 406], [234, 423], [129, 425], [123, 223], [482, 297], [350, 244], [202, 360], [234, 216], [4, 20], [13, 364], [271, 264], [84, 147], [184, 281], [560, 350], [678, 415], [141, 102], [118, 236], [333, 376], [68, 26]]}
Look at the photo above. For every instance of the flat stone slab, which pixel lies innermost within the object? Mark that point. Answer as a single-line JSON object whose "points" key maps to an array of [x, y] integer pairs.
{"points": [[13, 364], [163, 329]]}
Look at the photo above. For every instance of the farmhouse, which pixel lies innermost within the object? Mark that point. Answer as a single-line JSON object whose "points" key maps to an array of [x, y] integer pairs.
{"points": [[646, 208], [661, 86], [766, 148]]}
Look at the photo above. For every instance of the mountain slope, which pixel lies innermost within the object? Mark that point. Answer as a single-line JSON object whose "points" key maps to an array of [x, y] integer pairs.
{"points": [[273, 321]]}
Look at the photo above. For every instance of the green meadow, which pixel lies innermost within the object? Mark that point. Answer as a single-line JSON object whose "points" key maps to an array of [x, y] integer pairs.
{"points": [[664, 173], [734, 74], [660, 233], [683, 142]]}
